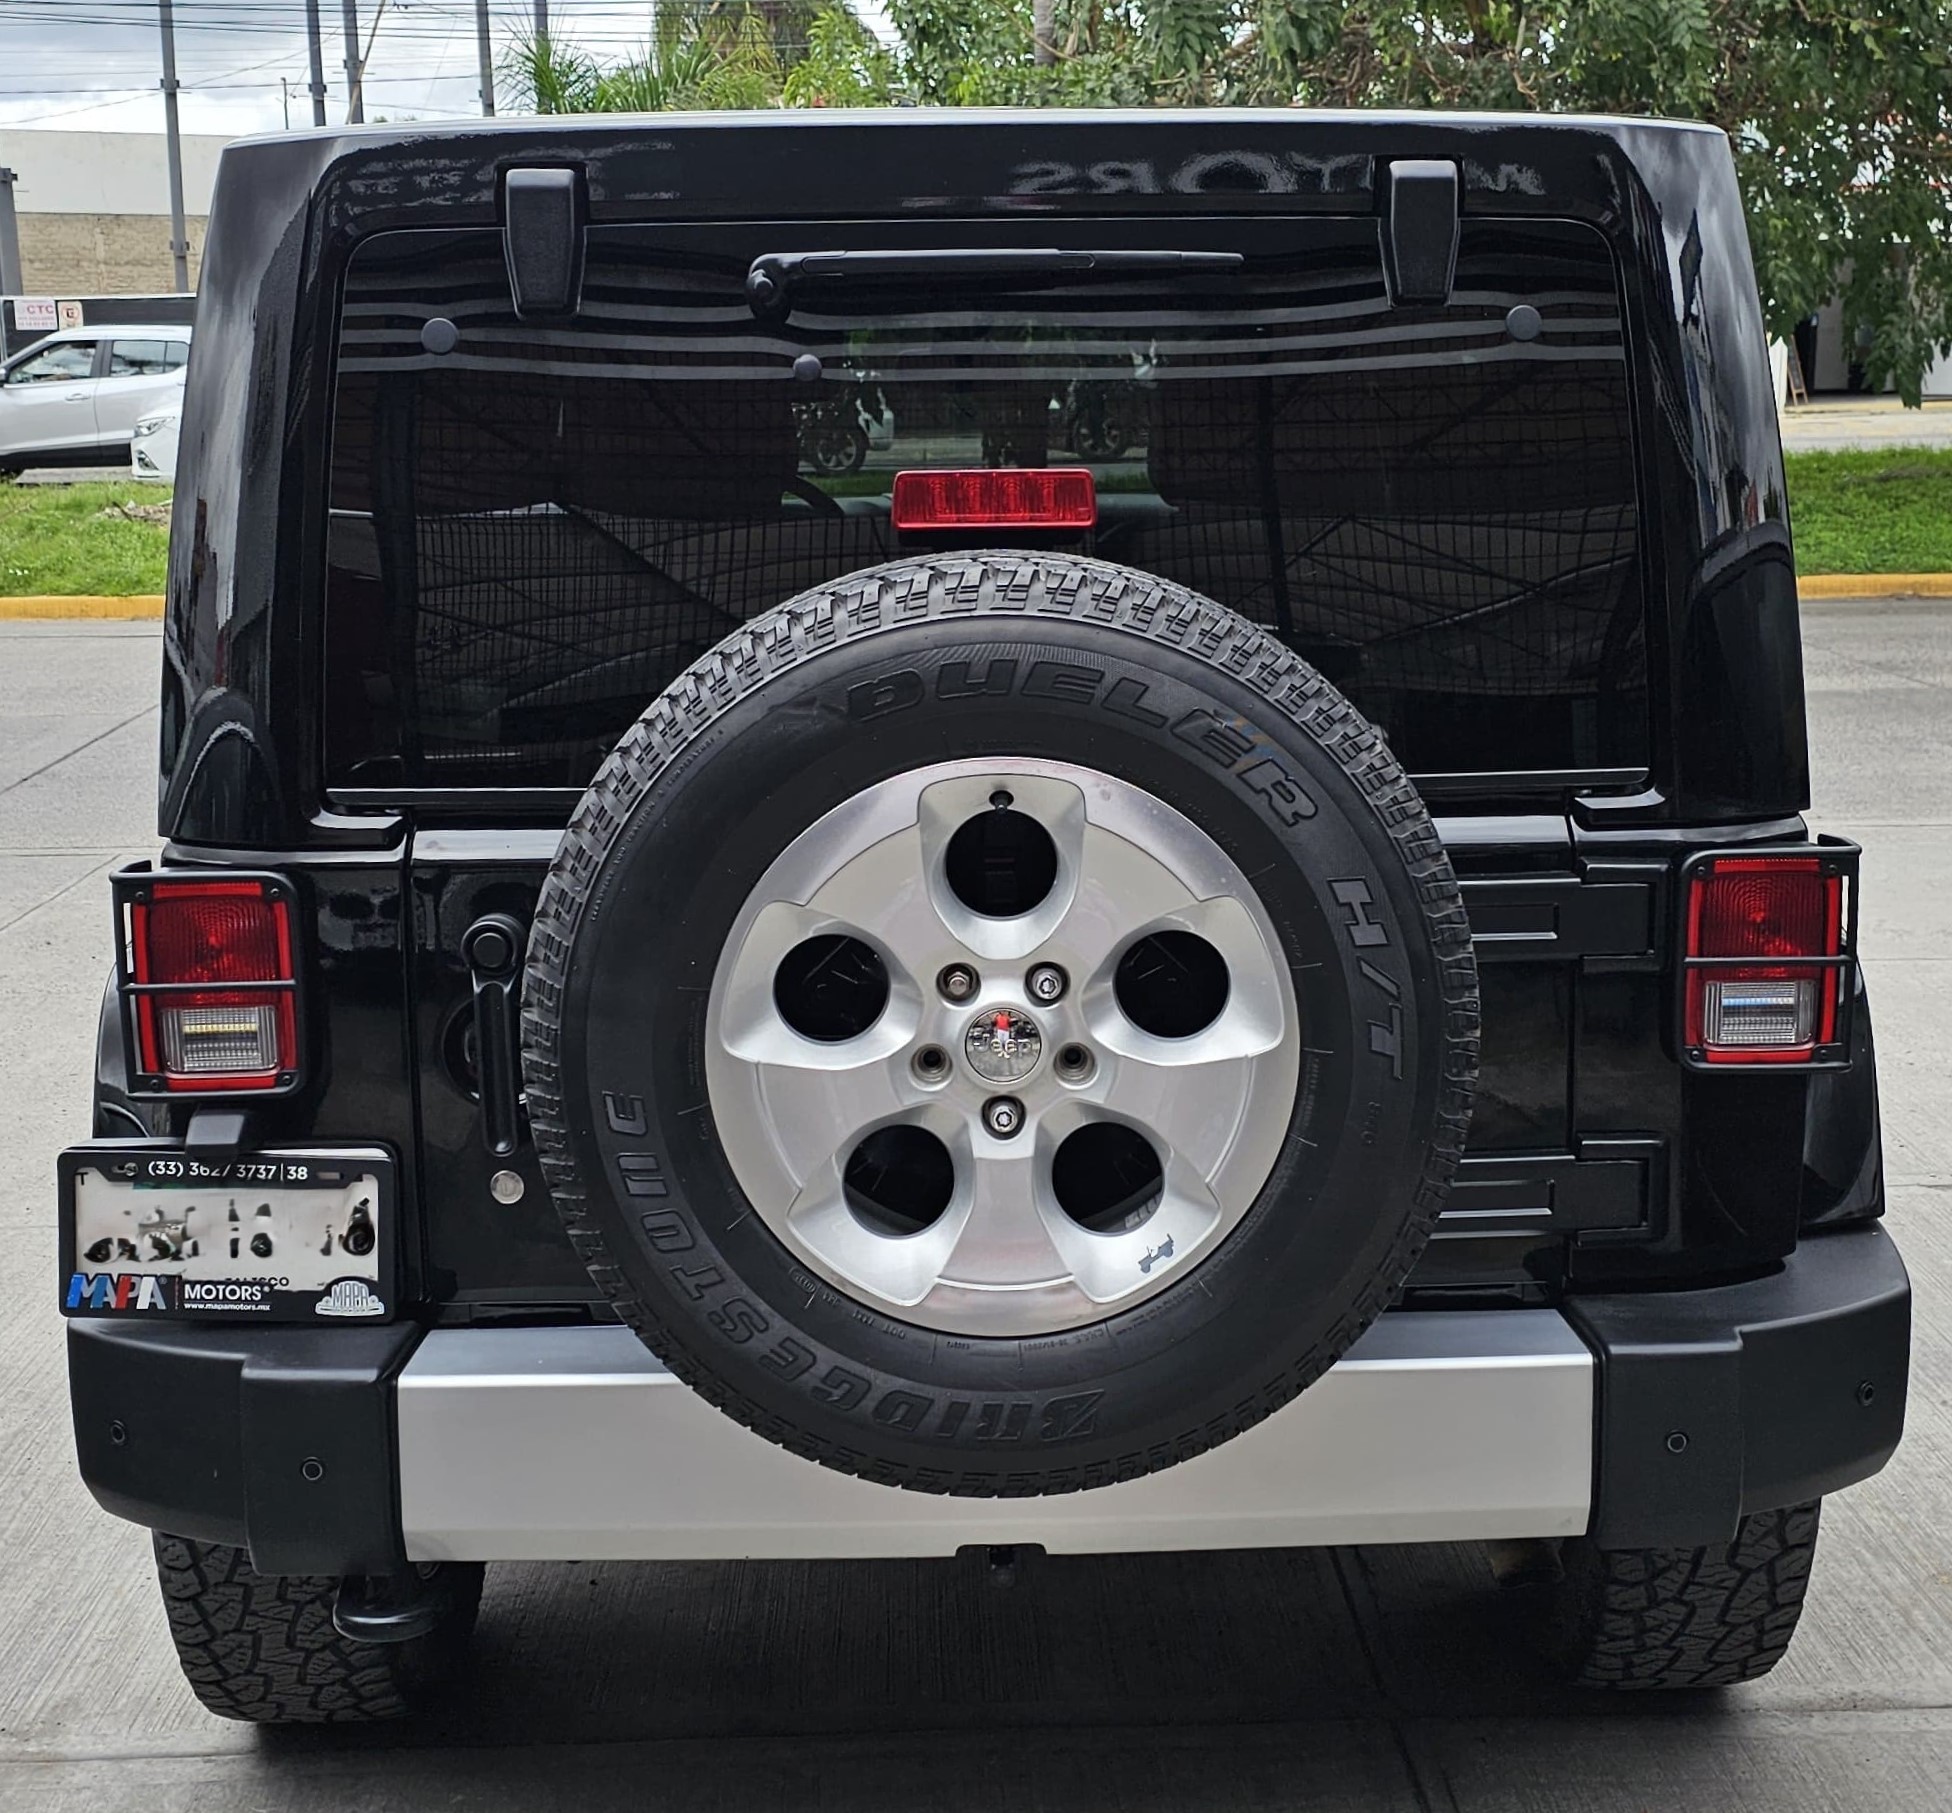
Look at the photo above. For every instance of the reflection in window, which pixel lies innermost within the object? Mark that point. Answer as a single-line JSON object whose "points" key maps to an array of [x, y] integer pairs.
{"points": [[69, 360], [145, 358], [533, 536]]}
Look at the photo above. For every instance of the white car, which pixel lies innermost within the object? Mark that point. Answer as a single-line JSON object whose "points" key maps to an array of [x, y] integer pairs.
{"points": [[74, 398], [152, 449]]}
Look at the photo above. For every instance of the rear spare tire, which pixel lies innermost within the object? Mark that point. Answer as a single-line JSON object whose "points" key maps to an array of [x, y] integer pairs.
{"points": [[1000, 1024]]}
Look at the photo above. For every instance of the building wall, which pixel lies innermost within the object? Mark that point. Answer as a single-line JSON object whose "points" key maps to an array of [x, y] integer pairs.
{"points": [[93, 208], [102, 254], [1833, 358], [105, 172]]}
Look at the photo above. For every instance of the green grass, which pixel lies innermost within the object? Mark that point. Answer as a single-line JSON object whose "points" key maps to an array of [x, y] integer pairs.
{"points": [[1888, 511], [56, 540]]}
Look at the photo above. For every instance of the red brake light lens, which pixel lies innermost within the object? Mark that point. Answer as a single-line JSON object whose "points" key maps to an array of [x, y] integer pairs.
{"points": [[1772, 1010], [1031, 497], [193, 948]]}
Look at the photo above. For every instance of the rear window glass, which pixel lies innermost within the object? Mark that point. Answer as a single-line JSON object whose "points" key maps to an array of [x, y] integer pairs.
{"points": [[532, 533]]}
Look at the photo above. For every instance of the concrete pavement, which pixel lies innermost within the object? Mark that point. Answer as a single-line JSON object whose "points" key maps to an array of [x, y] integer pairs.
{"points": [[1352, 1679]]}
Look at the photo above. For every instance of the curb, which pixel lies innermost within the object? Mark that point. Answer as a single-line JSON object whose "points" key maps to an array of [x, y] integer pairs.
{"points": [[1874, 585], [1810, 587], [40, 609]]}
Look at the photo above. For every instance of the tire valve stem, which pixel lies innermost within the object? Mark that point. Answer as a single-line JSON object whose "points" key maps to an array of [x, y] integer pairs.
{"points": [[1003, 1116]]}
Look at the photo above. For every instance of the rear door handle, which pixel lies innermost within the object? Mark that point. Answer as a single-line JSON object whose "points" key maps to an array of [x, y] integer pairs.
{"points": [[492, 948]]}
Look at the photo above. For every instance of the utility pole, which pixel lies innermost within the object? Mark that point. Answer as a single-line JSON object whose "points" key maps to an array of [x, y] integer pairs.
{"points": [[11, 281], [284, 95], [355, 103], [487, 54], [179, 244], [541, 21], [318, 61]]}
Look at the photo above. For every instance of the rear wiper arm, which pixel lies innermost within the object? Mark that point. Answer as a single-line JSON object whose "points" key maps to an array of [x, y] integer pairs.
{"points": [[774, 274]]}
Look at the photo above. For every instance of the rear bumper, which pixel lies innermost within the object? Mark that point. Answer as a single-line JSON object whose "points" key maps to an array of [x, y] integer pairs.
{"points": [[1646, 1420], [559, 1443]]}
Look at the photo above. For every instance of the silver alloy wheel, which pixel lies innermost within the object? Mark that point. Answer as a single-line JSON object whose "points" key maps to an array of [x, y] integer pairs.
{"points": [[1001, 1255]]}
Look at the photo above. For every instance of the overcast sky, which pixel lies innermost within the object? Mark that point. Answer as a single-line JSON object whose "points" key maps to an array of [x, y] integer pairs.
{"points": [[94, 64]]}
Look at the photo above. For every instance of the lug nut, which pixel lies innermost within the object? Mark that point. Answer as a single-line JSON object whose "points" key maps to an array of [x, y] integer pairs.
{"points": [[931, 1064], [958, 982], [1075, 1063], [1003, 1116], [1045, 983]]}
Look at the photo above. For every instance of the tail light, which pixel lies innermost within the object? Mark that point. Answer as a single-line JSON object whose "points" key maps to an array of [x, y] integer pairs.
{"points": [[1767, 956], [1030, 497], [209, 979]]}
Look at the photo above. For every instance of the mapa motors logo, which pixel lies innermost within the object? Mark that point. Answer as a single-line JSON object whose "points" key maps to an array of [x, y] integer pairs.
{"points": [[117, 1290], [349, 1297]]}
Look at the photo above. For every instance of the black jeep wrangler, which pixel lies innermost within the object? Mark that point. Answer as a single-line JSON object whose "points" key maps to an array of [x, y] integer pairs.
{"points": [[899, 832]]}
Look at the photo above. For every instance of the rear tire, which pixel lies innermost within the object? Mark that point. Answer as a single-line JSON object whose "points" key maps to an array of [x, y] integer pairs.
{"points": [[263, 1647], [1653, 1619]]}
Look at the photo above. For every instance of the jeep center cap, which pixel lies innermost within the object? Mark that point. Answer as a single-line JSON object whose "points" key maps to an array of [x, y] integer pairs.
{"points": [[1003, 1045]]}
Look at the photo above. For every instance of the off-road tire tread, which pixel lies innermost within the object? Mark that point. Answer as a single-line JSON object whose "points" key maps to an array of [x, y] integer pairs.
{"points": [[1009, 584], [1654, 1619], [263, 1648]]}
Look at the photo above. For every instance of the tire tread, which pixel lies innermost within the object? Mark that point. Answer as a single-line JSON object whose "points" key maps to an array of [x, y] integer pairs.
{"points": [[1666, 1619], [263, 1648]]}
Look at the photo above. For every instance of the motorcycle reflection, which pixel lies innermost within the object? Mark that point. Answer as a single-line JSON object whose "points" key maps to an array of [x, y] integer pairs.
{"points": [[836, 433]]}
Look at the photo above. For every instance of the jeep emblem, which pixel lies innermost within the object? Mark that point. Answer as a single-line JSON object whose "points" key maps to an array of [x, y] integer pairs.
{"points": [[1003, 1045]]}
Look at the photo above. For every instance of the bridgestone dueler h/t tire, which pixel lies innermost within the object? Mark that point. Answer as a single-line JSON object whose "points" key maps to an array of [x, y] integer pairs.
{"points": [[1033, 658]]}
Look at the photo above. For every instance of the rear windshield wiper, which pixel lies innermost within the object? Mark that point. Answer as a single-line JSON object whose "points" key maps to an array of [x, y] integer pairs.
{"points": [[775, 274]]}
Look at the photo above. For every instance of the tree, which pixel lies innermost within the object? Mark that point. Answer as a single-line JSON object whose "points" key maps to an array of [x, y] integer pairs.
{"points": [[1840, 111]]}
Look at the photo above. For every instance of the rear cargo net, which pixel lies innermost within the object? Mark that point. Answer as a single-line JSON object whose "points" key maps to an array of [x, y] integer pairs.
{"points": [[533, 535]]}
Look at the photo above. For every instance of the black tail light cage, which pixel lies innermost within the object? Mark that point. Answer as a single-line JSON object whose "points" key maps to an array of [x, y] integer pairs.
{"points": [[1835, 856], [134, 885]]}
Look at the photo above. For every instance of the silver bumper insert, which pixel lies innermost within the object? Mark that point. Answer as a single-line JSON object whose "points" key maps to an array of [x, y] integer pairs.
{"points": [[576, 1444]]}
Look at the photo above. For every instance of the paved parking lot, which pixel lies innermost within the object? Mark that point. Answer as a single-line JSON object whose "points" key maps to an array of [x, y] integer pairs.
{"points": [[1348, 1679]]}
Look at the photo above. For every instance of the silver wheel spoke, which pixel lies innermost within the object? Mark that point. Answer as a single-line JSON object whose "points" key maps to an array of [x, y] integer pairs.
{"points": [[884, 893], [904, 1269], [1008, 1239], [749, 1023], [1121, 889], [818, 1113], [1193, 1113], [1254, 1019], [1057, 805]]}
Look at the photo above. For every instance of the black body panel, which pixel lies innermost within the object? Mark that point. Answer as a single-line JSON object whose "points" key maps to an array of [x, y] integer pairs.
{"points": [[1596, 1162], [240, 751], [1576, 1071]]}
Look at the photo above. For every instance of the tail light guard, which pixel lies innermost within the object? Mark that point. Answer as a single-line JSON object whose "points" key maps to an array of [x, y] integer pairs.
{"points": [[208, 967], [1767, 954]]}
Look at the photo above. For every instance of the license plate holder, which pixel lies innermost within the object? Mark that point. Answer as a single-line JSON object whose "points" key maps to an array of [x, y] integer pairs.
{"points": [[286, 1234]]}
